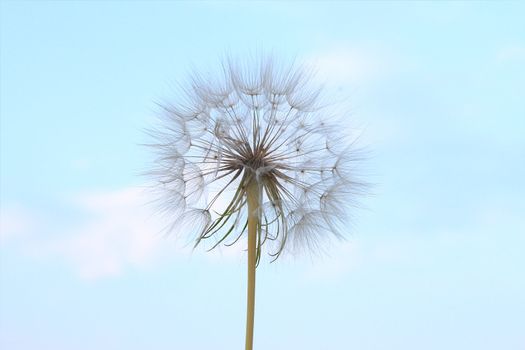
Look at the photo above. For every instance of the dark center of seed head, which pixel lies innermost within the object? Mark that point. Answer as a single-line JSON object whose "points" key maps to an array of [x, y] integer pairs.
{"points": [[254, 162]]}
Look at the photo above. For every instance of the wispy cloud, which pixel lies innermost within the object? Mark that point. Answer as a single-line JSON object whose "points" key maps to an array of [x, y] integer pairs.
{"points": [[511, 53], [111, 232], [14, 222], [345, 64], [118, 233]]}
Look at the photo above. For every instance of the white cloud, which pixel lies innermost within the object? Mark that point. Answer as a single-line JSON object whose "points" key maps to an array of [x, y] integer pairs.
{"points": [[511, 53], [123, 232], [112, 231], [352, 65], [14, 222], [119, 233]]}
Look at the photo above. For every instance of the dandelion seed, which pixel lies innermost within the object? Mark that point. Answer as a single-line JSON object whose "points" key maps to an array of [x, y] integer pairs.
{"points": [[253, 152]]}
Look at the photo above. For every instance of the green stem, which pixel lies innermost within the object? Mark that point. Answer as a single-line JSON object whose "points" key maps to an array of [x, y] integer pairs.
{"points": [[253, 221]]}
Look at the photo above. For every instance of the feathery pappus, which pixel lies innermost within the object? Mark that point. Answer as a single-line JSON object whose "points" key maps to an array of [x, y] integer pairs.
{"points": [[259, 125]]}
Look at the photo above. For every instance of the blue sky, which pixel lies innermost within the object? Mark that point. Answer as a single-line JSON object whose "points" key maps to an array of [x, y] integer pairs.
{"points": [[433, 261]]}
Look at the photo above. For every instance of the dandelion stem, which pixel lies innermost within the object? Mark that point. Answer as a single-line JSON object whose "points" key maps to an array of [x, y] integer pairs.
{"points": [[252, 194]]}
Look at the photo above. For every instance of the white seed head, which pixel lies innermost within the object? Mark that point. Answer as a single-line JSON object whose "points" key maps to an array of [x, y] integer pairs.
{"points": [[263, 124]]}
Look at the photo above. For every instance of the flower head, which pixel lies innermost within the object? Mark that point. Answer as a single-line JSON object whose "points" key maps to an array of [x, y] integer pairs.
{"points": [[258, 127]]}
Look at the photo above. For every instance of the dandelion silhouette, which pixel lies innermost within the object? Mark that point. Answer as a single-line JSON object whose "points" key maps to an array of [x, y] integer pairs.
{"points": [[252, 151]]}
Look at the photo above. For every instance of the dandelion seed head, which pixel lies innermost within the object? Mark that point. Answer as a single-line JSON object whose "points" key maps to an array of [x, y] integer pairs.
{"points": [[256, 124]]}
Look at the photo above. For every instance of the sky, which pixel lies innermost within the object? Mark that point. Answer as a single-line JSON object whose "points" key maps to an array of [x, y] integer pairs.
{"points": [[434, 257]]}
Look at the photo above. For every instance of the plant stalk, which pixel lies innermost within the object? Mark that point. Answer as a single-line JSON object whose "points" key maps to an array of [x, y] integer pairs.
{"points": [[253, 220]]}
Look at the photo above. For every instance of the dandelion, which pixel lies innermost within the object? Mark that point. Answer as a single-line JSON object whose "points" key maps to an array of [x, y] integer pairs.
{"points": [[252, 152]]}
